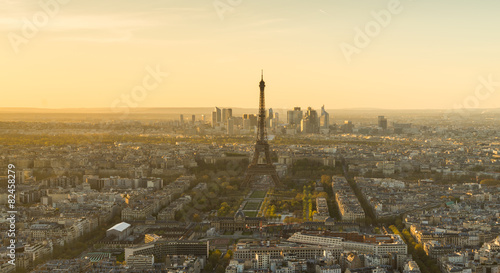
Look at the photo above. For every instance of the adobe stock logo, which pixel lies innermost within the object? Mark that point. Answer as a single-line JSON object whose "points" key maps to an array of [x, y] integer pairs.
{"points": [[150, 82], [39, 20], [483, 91], [364, 36], [223, 6]]}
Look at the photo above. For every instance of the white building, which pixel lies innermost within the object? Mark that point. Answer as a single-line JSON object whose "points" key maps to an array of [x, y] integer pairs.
{"points": [[120, 231]]}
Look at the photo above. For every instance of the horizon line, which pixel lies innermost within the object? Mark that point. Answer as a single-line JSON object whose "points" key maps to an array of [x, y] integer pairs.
{"points": [[201, 107]]}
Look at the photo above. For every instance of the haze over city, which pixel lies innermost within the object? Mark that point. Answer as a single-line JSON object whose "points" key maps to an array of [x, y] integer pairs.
{"points": [[249, 136]]}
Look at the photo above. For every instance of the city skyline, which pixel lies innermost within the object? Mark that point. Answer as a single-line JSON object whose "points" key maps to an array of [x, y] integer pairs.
{"points": [[144, 136], [211, 55]]}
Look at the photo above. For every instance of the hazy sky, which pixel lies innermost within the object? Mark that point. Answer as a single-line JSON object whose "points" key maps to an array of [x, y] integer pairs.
{"points": [[92, 53]]}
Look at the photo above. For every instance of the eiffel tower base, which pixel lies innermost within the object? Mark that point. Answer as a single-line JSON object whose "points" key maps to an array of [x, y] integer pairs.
{"points": [[260, 170]]}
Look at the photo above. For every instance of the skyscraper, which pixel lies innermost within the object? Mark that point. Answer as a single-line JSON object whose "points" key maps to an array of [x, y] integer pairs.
{"points": [[304, 124], [347, 127], [249, 121], [219, 115], [253, 120], [269, 117], [226, 114], [274, 121], [324, 120], [214, 119], [289, 117], [382, 122], [181, 119], [246, 123], [230, 126], [294, 116], [310, 123]]}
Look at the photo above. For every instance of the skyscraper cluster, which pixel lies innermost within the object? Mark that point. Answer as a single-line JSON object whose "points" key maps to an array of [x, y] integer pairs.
{"points": [[309, 122], [221, 116], [272, 119]]}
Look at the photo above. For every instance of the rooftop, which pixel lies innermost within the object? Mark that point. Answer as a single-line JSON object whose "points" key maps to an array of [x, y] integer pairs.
{"points": [[120, 226]]}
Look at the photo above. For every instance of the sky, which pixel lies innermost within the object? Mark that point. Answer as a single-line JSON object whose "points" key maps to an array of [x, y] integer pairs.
{"points": [[407, 54]]}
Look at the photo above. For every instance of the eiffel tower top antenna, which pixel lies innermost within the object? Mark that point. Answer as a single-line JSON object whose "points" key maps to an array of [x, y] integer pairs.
{"points": [[261, 129]]}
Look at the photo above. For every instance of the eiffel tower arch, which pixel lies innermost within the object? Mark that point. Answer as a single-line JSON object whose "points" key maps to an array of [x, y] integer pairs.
{"points": [[255, 168]]}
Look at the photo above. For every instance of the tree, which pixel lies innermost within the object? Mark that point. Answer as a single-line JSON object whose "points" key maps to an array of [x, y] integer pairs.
{"points": [[196, 218], [323, 194], [326, 179], [224, 209], [215, 256], [220, 269], [399, 223], [490, 182], [299, 196], [179, 215]]}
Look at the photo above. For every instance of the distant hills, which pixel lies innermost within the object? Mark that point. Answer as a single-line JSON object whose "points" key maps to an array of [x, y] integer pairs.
{"points": [[172, 113], [204, 110]]}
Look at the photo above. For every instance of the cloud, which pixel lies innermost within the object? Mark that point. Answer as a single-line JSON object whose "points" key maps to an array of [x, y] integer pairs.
{"points": [[101, 36], [71, 23]]}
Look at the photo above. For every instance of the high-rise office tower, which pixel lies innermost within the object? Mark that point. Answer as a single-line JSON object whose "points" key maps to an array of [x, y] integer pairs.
{"points": [[310, 123], [237, 121], [347, 127], [289, 117], [253, 120], [382, 122], [226, 114], [230, 126], [273, 119], [193, 119], [246, 123], [273, 123], [324, 120], [214, 119], [182, 119], [297, 115], [219, 114], [270, 116], [249, 121], [304, 124], [294, 116]]}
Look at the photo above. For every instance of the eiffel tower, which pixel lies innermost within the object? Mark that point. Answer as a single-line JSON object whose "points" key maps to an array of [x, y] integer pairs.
{"points": [[261, 146]]}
